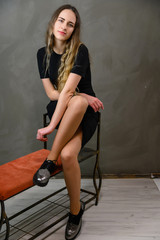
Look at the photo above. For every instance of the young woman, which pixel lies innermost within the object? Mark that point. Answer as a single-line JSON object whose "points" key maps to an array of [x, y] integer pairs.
{"points": [[65, 72]]}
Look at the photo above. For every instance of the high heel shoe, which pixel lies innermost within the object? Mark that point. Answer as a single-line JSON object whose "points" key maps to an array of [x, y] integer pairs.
{"points": [[74, 224], [42, 176]]}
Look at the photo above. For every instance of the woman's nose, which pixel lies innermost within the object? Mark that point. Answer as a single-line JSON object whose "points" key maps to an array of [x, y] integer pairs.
{"points": [[64, 26]]}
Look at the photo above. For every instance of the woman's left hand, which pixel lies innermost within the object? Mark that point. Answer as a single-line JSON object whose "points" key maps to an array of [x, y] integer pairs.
{"points": [[95, 103], [42, 132]]}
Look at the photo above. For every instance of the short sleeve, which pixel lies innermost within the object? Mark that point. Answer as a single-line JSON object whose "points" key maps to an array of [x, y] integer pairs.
{"points": [[81, 61], [42, 63]]}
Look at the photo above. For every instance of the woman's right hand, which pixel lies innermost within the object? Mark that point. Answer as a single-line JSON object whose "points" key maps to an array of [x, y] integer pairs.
{"points": [[42, 132]]}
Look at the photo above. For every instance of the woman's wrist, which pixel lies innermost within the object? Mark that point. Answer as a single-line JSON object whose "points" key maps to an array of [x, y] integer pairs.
{"points": [[50, 128]]}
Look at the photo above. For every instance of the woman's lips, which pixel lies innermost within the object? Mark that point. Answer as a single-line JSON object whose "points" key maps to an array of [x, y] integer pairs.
{"points": [[63, 33]]}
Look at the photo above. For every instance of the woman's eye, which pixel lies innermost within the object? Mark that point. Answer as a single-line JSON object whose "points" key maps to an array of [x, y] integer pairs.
{"points": [[60, 20], [71, 25]]}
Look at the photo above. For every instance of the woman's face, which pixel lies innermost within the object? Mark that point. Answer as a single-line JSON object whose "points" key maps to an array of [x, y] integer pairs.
{"points": [[64, 25]]}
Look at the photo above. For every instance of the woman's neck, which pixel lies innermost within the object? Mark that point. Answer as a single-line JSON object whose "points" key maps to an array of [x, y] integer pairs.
{"points": [[59, 47]]}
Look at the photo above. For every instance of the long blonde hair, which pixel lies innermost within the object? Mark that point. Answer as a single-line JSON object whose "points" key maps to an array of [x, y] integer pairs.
{"points": [[71, 49]]}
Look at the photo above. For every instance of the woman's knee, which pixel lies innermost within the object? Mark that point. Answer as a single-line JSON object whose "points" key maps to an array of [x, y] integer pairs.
{"points": [[79, 103], [68, 158]]}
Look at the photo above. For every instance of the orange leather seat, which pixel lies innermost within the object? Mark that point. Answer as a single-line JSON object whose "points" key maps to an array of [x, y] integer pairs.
{"points": [[17, 175]]}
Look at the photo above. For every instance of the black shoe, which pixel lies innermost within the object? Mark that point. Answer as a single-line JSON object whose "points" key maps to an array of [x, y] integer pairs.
{"points": [[74, 224], [42, 176]]}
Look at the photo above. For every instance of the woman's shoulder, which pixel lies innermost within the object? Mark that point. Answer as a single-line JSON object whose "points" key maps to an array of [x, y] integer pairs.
{"points": [[41, 52], [83, 47], [83, 50]]}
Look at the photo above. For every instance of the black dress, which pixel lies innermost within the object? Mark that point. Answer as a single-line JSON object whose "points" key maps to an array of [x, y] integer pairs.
{"points": [[81, 67]]}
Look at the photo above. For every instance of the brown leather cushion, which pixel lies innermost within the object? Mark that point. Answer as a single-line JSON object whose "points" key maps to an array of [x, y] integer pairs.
{"points": [[17, 175]]}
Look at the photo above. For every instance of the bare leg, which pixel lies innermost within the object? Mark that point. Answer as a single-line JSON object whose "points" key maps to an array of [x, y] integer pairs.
{"points": [[71, 169], [69, 125]]}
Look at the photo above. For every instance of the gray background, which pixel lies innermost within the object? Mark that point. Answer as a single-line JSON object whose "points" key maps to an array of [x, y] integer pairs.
{"points": [[123, 37]]}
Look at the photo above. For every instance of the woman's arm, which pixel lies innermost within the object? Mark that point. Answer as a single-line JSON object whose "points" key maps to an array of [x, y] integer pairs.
{"points": [[51, 92], [94, 102], [63, 100]]}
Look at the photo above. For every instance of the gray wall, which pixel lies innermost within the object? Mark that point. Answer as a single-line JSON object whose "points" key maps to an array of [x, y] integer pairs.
{"points": [[123, 38]]}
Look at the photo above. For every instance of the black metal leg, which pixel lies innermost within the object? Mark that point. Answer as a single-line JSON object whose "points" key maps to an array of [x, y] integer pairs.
{"points": [[2, 210], [96, 167], [99, 178], [44, 125], [4, 219]]}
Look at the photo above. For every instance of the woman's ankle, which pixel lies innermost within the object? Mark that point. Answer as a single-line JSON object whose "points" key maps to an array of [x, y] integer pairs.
{"points": [[74, 210], [75, 218], [52, 159]]}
